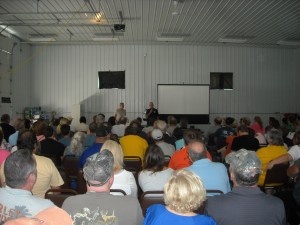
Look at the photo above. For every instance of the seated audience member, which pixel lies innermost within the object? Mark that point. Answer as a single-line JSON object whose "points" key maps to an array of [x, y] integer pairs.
{"points": [[223, 132], [98, 206], [90, 138], [47, 174], [83, 127], [111, 122], [259, 130], [158, 138], [273, 124], [132, 144], [244, 140], [49, 216], [119, 128], [246, 204], [245, 121], [6, 127], [18, 125], [16, 199], [149, 126], [51, 147], [39, 129], [212, 130], [291, 156], [291, 197], [180, 158], [184, 193], [62, 121], [214, 175], [271, 152], [123, 179], [100, 119], [141, 133], [162, 125], [65, 132], [76, 148], [172, 124], [102, 135], [3, 152], [154, 174], [178, 135]]}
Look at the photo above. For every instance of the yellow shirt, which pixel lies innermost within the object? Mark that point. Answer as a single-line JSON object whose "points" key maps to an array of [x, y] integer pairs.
{"points": [[267, 154], [134, 145], [47, 176]]}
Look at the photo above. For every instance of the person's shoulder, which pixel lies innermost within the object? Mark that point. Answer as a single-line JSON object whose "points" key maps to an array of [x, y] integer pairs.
{"points": [[204, 219]]}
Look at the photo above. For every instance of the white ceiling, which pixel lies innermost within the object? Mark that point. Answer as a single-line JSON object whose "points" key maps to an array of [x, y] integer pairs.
{"points": [[200, 22]]}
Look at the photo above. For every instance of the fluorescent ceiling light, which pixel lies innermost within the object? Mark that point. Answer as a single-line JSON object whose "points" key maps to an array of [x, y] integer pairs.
{"points": [[42, 39], [233, 40], [105, 38], [7, 52], [171, 39], [293, 43]]}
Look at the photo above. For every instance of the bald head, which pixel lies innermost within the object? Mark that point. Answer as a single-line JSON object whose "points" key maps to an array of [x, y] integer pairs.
{"points": [[196, 151]]}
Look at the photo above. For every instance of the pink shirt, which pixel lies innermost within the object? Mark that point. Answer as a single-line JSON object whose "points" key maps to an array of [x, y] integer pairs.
{"points": [[3, 155]]}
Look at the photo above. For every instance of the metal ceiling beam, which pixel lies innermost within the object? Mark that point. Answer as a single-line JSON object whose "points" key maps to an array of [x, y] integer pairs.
{"points": [[56, 25], [46, 13]]}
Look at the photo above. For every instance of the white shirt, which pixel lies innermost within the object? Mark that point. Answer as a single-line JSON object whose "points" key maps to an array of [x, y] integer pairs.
{"points": [[150, 181], [295, 152], [125, 181], [167, 149], [118, 130]]}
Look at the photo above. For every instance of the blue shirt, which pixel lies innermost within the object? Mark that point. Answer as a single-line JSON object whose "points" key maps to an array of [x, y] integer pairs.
{"points": [[88, 152], [12, 140], [158, 215], [66, 141], [90, 139], [214, 175], [17, 203]]}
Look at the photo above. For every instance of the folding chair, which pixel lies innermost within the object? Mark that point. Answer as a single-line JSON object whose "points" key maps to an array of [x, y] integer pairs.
{"points": [[276, 178], [133, 163], [58, 196]]}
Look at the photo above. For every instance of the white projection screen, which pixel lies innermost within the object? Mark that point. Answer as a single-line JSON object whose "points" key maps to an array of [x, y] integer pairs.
{"points": [[191, 101]]}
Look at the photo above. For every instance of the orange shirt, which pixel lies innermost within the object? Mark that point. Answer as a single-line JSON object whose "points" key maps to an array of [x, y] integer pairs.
{"points": [[181, 159]]}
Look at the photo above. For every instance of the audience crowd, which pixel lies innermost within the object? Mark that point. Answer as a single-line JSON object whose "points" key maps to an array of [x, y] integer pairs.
{"points": [[213, 177]]}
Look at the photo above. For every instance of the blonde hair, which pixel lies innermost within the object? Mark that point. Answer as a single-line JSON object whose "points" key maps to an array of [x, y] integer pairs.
{"points": [[116, 149], [184, 192], [160, 124]]}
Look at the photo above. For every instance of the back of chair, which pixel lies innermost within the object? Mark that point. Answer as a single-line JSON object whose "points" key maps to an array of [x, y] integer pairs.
{"points": [[81, 183], [119, 191], [71, 165], [149, 198], [132, 163], [277, 175], [58, 196], [167, 160]]}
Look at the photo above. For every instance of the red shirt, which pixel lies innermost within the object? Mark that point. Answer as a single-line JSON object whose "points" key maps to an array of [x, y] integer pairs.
{"points": [[181, 159]]}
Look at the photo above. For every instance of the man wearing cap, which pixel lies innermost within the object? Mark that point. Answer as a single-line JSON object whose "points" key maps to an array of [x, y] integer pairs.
{"points": [[102, 134], [16, 199], [213, 174], [158, 139], [98, 206], [246, 204]]}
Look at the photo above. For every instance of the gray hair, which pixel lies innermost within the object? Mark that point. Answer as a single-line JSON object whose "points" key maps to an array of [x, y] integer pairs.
{"points": [[275, 137], [77, 143], [17, 168]]}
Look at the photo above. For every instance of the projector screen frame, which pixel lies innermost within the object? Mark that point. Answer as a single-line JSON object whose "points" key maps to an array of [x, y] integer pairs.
{"points": [[192, 118]]}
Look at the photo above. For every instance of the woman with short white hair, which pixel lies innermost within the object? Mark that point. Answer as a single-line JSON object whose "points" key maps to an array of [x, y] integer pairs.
{"points": [[184, 193]]}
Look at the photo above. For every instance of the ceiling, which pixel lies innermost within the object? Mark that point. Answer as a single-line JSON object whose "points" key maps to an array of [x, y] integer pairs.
{"points": [[196, 22]]}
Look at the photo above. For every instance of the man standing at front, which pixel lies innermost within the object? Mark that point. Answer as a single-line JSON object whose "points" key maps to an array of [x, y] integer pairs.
{"points": [[246, 204], [151, 113], [98, 206]]}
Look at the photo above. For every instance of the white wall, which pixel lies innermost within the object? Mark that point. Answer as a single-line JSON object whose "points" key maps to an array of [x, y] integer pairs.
{"points": [[265, 80], [15, 82]]}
